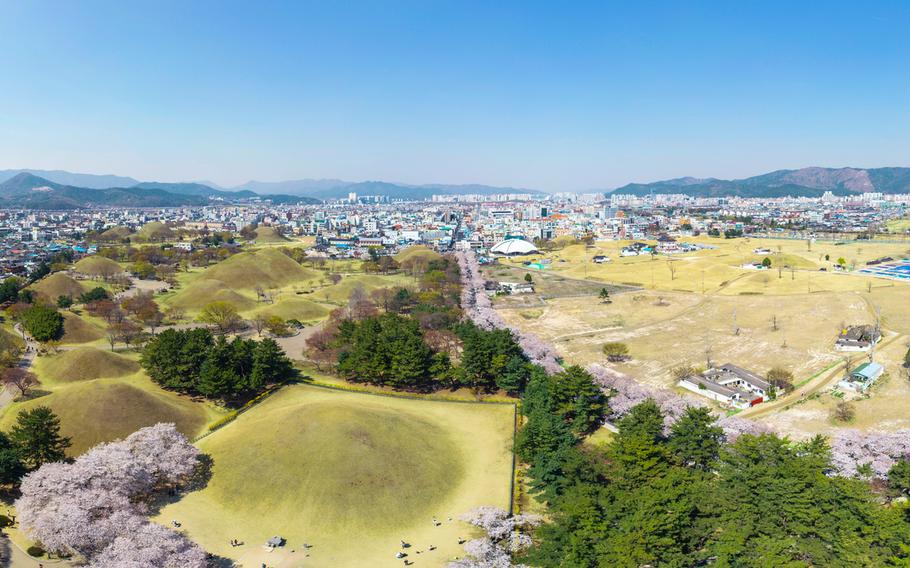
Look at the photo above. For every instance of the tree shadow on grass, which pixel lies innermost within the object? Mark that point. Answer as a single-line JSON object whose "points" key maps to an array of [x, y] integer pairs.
{"points": [[198, 481]]}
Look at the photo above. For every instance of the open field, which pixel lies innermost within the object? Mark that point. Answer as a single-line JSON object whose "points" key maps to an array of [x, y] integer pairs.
{"points": [[672, 322], [661, 337], [794, 270], [351, 474]]}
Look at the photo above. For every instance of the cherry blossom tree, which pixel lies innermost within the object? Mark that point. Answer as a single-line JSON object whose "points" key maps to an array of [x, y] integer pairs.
{"points": [[85, 507], [505, 535]]}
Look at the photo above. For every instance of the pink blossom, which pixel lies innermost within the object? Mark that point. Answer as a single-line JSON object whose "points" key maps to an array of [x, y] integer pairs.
{"points": [[101, 498]]}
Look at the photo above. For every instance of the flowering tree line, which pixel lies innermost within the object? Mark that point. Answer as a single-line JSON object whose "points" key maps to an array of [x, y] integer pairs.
{"points": [[96, 507]]}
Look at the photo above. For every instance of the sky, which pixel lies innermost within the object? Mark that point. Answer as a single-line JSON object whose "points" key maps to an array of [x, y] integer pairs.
{"points": [[559, 96]]}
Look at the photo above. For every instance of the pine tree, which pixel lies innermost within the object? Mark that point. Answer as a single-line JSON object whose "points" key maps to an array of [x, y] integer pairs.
{"points": [[36, 435]]}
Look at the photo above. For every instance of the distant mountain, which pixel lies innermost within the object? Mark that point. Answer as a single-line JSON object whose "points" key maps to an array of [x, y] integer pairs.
{"points": [[91, 181], [804, 182], [32, 192]]}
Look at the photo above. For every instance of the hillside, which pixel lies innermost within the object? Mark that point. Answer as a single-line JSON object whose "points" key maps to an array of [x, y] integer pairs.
{"points": [[804, 182], [29, 191], [92, 181]]}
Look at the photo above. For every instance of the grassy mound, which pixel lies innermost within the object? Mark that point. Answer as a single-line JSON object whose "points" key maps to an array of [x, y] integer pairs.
{"points": [[97, 266], [316, 465], [114, 234], [269, 235], [77, 330], [266, 268], [82, 364], [56, 285], [155, 232], [295, 308], [201, 292], [92, 412], [417, 251], [339, 463]]}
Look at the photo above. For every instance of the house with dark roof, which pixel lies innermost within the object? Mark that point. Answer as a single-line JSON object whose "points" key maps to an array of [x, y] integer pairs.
{"points": [[730, 385], [857, 338]]}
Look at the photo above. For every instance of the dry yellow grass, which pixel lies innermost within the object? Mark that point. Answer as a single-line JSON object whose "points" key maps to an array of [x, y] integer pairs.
{"points": [[269, 235], [719, 270], [665, 330]]}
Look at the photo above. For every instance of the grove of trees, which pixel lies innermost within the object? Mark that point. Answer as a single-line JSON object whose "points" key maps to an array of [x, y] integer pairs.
{"points": [[193, 361]]}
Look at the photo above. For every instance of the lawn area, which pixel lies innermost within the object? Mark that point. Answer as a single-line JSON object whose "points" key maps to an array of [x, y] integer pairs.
{"points": [[351, 474]]}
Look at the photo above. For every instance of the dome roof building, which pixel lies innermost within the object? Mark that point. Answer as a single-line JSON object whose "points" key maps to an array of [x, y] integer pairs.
{"points": [[514, 247]]}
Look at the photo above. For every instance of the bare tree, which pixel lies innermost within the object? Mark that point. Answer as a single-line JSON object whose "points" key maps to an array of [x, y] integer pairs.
{"points": [[672, 266], [258, 324], [20, 378]]}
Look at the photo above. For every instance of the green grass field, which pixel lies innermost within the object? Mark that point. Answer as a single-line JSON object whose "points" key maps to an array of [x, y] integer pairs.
{"points": [[81, 329], [351, 474]]}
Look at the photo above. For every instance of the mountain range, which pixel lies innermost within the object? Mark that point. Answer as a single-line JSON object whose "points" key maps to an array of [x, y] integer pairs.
{"points": [[804, 182], [288, 191], [29, 191]]}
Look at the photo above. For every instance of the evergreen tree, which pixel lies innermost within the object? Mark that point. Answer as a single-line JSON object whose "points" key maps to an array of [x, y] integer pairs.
{"points": [[270, 365], [11, 467], [695, 440], [36, 436]]}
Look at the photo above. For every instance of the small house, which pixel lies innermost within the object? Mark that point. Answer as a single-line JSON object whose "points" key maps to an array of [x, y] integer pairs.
{"points": [[730, 385], [862, 377], [857, 338]]}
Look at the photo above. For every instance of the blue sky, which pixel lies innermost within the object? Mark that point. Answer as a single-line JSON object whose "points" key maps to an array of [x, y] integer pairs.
{"points": [[557, 96]]}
